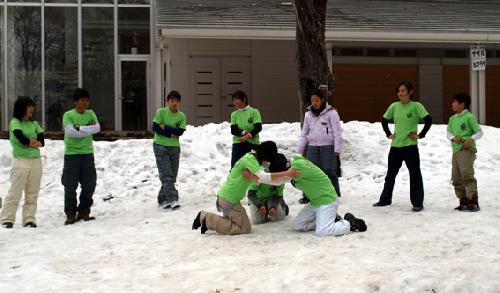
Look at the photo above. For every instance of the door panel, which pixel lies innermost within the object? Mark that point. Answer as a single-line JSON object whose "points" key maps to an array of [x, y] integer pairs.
{"points": [[206, 76], [134, 95], [235, 76]]}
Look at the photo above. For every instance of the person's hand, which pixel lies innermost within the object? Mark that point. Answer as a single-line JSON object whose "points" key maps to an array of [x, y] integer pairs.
{"points": [[35, 143], [271, 213], [161, 126], [262, 210], [392, 136], [467, 143], [414, 136], [246, 136], [292, 172], [457, 139]]}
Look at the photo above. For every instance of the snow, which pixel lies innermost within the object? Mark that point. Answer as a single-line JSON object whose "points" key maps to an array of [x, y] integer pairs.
{"points": [[134, 246]]}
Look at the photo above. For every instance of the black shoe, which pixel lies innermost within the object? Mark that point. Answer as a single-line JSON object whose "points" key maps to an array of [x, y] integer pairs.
{"points": [[204, 227], [30, 225], [472, 208], [197, 222], [338, 218], [463, 204], [417, 209], [356, 224], [286, 208], [8, 225], [304, 200], [381, 204]]}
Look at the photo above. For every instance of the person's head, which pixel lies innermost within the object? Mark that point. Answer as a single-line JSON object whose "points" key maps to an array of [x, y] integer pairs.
{"points": [[279, 164], [240, 99], [317, 99], [81, 97], [460, 102], [24, 107], [173, 100], [405, 91], [266, 151]]}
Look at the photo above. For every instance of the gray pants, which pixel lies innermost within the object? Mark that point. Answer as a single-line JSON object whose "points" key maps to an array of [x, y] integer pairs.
{"points": [[324, 157], [261, 219], [78, 169], [167, 161]]}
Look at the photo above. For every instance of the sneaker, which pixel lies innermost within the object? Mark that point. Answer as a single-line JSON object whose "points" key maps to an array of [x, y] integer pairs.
{"points": [[70, 218], [204, 227], [417, 209], [462, 205], [356, 223], [8, 225], [304, 200], [175, 205], [472, 208], [84, 215], [30, 225], [197, 222], [381, 204]]}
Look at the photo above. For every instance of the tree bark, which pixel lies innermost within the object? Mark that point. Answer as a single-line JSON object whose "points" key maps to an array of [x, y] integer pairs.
{"points": [[311, 57]]}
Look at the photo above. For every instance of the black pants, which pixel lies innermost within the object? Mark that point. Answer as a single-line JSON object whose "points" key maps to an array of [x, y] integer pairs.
{"points": [[411, 158], [78, 169], [239, 150]]}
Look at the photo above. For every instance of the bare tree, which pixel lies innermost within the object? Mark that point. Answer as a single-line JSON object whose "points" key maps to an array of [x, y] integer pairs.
{"points": [[311, 58]]}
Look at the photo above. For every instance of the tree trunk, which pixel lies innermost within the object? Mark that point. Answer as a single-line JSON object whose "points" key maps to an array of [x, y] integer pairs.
{"points": [[311, 58]]}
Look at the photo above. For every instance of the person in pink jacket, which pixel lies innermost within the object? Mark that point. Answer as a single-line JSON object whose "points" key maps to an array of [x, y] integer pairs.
{"points": [[321, 137]]}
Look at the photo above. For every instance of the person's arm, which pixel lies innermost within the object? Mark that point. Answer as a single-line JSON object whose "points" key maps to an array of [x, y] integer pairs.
{"points": [[254, 199], [477, 135], [449, 135], [161, 131], [40, 137], [236, 131], [257, 127], [18, 133], [427, 126], [336, 131], [275, 179], [90, 129], [174, 131], [71, 131], [385, 127]]}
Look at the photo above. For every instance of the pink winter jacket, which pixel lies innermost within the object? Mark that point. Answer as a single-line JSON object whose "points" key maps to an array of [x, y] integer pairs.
{"points": [[320, 130]]}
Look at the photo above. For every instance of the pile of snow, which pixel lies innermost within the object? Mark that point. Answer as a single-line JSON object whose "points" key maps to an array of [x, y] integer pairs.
{"points": [[135, 246]]}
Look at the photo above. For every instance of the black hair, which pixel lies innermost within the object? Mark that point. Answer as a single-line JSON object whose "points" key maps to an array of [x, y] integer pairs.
{"points": [[266, 151], [409, 86], [279, 164], [174, 95], [319, 93], [240, 95], [80, 93], [462, 98], [22, 103]]}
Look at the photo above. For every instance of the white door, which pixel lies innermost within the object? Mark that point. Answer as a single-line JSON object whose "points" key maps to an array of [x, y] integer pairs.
{"points": [[215, 79]]}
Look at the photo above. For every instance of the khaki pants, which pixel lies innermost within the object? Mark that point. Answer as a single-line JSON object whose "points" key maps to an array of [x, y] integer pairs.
{"points": [[234, 221], [25, 175], [462, 173]]}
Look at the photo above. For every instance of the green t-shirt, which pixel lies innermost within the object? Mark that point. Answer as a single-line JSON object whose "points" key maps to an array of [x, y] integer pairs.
{"points": [[313, 182], [78, 145], [245, 119], [175, 120], [463, 125], [265, 191], [406, 118], [236, 185], [30, 129]]}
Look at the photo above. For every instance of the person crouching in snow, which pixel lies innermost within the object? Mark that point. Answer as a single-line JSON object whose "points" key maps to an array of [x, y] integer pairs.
{"points": [[235, 220], [320, 214], [266, 201]]}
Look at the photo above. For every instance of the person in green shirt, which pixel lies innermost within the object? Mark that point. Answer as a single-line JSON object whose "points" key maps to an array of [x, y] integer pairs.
{"points": [[79, 125], [235, 219], [463, 132], [26, 138], [246, 124], [320, 214], [406, 115], [168, 124]]}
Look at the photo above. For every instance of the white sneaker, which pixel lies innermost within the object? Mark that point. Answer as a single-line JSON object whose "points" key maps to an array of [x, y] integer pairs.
{"points": [[175, 205]]}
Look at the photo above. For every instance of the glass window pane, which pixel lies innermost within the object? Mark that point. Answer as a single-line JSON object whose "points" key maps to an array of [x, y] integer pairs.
{"points": [[61, 63], [24, 56], [60, 1], [98, 1], [32, 1], [1, 69], [133, 1], [98, 62], [133, 30]]}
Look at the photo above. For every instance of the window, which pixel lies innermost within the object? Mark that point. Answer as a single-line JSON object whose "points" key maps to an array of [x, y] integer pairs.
{"points": [[133, 30]]}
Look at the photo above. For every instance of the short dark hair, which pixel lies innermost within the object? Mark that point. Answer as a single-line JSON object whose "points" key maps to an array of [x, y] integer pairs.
{"points": [[80, 93], [266, 151], [279, 164], [317, 92], [240, 95], [462, 98], [408, 85], [22, 103], [174, 95]]}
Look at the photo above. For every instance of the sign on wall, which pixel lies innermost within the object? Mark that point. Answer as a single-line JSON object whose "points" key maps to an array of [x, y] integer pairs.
{"points": [[478, 59]]}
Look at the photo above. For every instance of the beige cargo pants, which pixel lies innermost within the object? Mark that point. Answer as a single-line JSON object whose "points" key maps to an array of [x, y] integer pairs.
{"points": [[462, 173], [234, 220]]}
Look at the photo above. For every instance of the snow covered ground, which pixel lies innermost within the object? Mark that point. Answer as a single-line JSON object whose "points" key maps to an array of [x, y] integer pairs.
{"points": [[134, 246]]}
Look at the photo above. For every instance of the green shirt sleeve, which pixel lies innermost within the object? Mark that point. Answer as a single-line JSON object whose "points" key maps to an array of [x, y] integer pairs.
{"points": [[67, 119], [253, 166], [15, 124], [183, 122], [256, 116], [421, 111], [472, 121], [94, 116], [233, 118], [389, 114], [157, 118], [38, 128]]}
